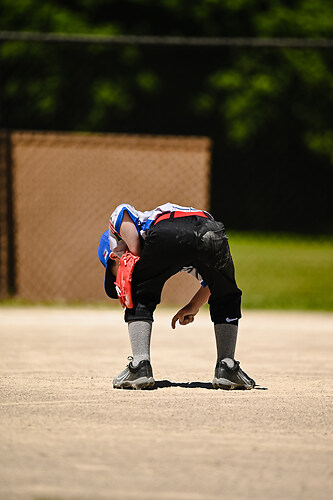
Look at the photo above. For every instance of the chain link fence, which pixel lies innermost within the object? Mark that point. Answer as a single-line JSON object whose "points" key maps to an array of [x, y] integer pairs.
{"points": [[64, 187]]}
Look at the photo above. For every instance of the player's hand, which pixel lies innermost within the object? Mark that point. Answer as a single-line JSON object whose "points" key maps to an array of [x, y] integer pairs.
{"points": [[184, 316]]}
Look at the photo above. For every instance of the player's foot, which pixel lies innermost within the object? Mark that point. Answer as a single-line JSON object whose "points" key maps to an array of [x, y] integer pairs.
{"points": [[227, 377], [138, 377]]}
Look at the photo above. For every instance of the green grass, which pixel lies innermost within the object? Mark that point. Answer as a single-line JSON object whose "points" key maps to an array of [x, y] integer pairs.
{"points": [[284, 272]]}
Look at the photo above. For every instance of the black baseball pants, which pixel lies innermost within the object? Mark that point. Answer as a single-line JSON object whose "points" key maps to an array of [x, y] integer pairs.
{"points": [[173, 244]]}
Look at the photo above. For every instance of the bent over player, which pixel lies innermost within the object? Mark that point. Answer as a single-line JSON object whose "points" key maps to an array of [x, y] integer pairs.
{"points": [[169, 239]]}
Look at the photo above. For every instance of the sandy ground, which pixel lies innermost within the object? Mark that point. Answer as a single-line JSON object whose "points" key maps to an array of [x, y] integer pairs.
{"points": [[66, 434]]}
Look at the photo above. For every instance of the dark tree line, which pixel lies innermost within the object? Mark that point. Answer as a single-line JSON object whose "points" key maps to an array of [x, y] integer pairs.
{"points": [[267, 110]]}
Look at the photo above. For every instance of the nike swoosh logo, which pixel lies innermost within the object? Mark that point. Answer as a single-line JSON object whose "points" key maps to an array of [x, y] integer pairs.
{"points": [[229, 320]]}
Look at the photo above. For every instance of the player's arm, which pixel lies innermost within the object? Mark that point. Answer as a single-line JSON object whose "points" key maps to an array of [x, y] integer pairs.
{"points": [[129, 234], [187, 313]]}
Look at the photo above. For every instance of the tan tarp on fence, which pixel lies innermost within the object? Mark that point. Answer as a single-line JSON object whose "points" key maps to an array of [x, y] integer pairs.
{"points": [[66, 185]]}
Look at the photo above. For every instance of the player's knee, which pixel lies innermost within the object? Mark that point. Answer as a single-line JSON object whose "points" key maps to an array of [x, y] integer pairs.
{"points": [[227, 310], [140, 312]]}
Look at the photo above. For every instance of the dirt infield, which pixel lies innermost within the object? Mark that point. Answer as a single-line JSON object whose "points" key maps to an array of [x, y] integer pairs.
{"points": [[67, 435]]}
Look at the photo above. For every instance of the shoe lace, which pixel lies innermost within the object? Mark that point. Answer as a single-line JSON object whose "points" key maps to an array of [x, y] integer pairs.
{"points": [[130, 359], [244, 373]]}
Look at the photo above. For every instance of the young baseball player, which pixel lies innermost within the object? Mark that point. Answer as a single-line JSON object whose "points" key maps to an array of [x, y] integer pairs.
{"points": [[166, 240]]}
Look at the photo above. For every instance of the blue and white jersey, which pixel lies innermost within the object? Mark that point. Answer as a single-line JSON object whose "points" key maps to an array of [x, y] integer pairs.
{"points": [[143, 221]]}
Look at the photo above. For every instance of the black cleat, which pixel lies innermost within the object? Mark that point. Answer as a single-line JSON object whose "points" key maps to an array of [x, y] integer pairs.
{"points": [[138, 377], [231, 378]]}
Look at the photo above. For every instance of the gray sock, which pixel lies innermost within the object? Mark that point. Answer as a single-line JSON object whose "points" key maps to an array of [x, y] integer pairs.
{"points": [[226, 338], [140, 334]]}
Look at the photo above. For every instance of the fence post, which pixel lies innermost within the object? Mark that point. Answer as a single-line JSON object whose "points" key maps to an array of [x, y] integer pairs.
{"points": [[7, 234]]}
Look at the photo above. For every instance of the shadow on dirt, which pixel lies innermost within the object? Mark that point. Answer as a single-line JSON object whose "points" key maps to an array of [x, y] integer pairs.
{"points": [[162, 384]]}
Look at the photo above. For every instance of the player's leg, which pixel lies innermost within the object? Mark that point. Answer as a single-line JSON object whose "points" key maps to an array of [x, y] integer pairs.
{"points": [[139, 373], [158, 262], [225, 311]]}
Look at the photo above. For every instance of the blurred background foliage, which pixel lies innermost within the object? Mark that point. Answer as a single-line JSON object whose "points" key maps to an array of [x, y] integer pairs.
{"points": [[267, 110]]}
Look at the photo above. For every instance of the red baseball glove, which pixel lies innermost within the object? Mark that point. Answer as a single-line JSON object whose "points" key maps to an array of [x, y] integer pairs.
{"points": [[124, 278]]}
